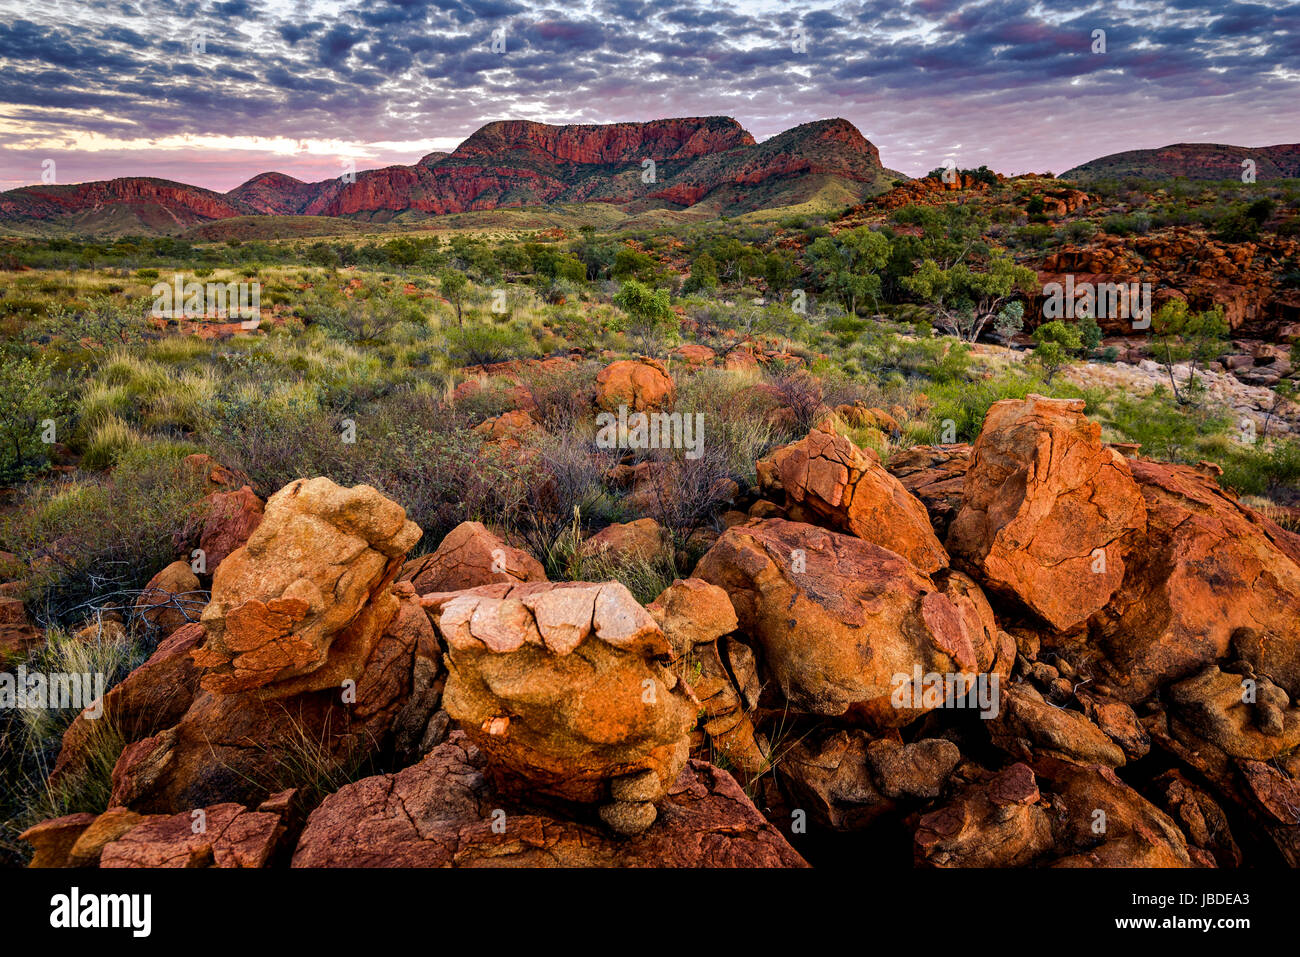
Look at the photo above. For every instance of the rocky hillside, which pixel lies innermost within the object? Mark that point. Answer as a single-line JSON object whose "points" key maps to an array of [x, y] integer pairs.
{"points": [[1194, 161], [147, 204], [973, 656], [514, 164]]}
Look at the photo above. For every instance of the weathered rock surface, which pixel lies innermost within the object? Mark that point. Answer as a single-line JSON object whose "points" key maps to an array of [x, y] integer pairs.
{"points": [[563, 686], [838, 618], [442, 812], [1048, 512], [172, 598], [321, 556], [469, 556], [639, 385], [836, 483]]}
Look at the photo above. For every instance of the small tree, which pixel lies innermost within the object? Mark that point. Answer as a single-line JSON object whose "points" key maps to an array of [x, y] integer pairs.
{"points": [[1089, 335], [453, 284], [25, 403], [650, 313], [1055, 341], [849, 264], [704, 274], [965, 299], [1181, 335], [1010, 321]]}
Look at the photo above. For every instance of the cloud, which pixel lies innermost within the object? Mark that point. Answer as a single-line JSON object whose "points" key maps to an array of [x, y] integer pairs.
{"points": [[1015, 83]]}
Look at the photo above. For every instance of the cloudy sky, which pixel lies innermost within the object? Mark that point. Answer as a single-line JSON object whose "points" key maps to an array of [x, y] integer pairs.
{"points": [[211, 93]]}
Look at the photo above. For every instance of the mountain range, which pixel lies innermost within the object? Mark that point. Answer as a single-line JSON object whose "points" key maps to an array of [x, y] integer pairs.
{"points": [[688, 167], [709, 165]]}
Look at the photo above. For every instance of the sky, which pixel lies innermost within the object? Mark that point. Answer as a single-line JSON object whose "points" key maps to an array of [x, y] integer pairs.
{"points": [[212, 93]]}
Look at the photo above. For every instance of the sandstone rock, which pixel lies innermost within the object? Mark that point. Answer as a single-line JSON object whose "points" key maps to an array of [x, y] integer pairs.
{"points": [[52, 840], [1026, 726], [245, 746], [172, 598], [993, 822], [441, 813], [562, 686], [214, 476], [226, 835], [936, 475], [1118, 721], [321, 555], [1211, 707], [838, 618], [1048, 513], [694, 616], [1106, 823], [641, 385], [105, 829], [231, 518], [830, 778], [1199, 817], [641, 540], [833, 480], [916, 770], [17, 635], [511, 428], [1210, 572], [470, 556]]}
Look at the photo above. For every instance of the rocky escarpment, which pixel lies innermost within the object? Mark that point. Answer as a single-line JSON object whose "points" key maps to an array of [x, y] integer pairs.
{"points": [[519, 163]]}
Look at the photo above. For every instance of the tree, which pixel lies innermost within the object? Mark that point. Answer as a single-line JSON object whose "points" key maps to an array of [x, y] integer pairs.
{"points": [[453, 284], [1010, 321], [966, 299], [1181, 335], [649, 311], [1055, 341], [849, 264], [704, 274], [25, 403]]}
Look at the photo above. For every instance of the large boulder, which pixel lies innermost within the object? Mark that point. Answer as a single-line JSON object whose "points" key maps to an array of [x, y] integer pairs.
{"points": [[243, 746], [1049, 514], [639, 385], [443, 812], [839, 619], [313, 661], [321, 556], [564, 688], [838, 484], [637, 541], [1212, 578], [470, 556]]}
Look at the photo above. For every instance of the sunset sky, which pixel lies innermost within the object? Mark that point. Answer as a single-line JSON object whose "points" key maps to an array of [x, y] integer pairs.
{"points": [[115, 88]]}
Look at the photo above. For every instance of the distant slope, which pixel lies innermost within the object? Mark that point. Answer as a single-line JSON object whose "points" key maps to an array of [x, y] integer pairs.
{"points": [[1194, 161], [116, 206], [708, 166]]}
